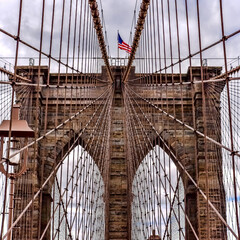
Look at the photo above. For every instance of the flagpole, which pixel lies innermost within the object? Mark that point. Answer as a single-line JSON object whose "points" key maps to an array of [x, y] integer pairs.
{"points": [[117, 48]]}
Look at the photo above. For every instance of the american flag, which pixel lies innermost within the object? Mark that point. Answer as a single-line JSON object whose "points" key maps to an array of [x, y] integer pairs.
{"points": [[122, 45]]}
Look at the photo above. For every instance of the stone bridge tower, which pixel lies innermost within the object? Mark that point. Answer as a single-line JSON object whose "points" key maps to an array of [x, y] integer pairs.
{"points": [[118, 183]]}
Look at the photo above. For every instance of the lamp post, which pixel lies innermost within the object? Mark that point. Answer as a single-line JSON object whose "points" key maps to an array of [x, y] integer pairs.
{"points": [[19, 129]]}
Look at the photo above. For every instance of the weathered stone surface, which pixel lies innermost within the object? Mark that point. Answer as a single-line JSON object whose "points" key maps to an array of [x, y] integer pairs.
{"points": [[118, 215], [191, 150]]}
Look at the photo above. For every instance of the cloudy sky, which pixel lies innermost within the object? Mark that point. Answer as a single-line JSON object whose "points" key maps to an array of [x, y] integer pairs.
{"points": [[118, 15]]}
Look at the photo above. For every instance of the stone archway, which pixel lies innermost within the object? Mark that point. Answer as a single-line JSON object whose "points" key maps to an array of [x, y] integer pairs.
{"points": [[168, 122], [157, 180], [77, 185]]}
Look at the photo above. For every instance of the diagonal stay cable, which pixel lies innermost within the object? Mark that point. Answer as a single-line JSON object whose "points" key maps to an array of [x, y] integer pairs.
{"points": [[61, 124], [186, 125], [45, 182], [190, 177]]}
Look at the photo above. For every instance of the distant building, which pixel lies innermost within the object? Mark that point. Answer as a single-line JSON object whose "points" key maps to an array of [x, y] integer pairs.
{"points": [[154, 236]]}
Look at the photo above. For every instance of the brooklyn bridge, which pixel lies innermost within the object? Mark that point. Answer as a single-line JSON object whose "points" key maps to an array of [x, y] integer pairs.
{"points": [[101, 146]]}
